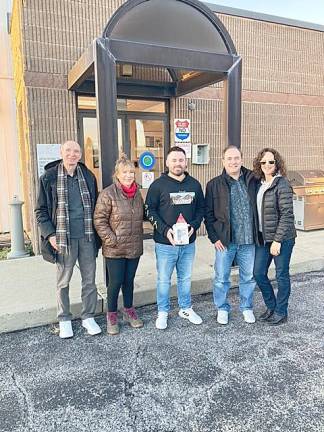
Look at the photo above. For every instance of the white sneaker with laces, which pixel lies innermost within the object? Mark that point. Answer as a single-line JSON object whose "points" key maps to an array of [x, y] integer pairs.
{"points": [[91, 326], [222, 317], [66, 331], [249, 316], [190, 315], [161, 322]]}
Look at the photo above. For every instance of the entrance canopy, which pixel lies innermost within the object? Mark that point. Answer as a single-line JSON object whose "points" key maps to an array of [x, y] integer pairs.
{"points": [[182, 37]]}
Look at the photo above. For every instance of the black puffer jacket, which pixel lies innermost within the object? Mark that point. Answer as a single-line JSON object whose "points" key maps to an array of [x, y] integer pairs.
{"points": [[277, 212]]}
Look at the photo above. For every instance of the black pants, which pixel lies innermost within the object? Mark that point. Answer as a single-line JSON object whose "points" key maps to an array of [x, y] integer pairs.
{"points": [[121, 274]]}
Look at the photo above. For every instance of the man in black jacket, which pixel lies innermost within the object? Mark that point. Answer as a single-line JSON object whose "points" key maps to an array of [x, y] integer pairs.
{"points": [[173, 194], [64, 212], [231, 222]]}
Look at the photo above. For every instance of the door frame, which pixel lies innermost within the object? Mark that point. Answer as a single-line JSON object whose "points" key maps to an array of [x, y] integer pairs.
{"points": [[125, 116]]}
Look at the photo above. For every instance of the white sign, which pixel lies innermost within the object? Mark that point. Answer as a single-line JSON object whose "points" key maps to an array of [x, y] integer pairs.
{"points": [[182, 131], [147, 179], [47, 153], [186, 147]]}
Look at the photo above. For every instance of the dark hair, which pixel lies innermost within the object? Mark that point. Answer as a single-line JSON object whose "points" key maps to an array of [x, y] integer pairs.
{"points": [[176, 149], [280, 166], [231, 147]]}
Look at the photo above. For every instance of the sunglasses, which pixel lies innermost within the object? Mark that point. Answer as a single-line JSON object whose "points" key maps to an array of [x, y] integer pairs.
{"points": [[272, 162]]}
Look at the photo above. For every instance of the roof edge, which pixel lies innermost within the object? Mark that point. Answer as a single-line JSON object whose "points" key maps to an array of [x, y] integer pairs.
{"points": [[226, 10]]}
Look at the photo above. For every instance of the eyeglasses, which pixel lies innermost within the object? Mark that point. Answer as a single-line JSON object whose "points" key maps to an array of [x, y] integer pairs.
{"points": [[272, 162]]}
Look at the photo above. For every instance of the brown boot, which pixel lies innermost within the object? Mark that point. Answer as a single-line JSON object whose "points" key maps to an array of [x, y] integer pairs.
{"points": [[130, 316], [112, 324]]}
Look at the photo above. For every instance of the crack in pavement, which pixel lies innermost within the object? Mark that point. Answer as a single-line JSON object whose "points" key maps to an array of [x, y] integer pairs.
{"points": [[26, 409]]}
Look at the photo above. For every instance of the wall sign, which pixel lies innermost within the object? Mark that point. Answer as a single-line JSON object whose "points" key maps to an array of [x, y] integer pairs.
{"points": [[47, 153], [182, 131], [147, 179], [147, 160]]}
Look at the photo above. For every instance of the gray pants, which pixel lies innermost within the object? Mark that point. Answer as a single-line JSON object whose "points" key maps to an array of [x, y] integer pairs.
{"points": [[84, 252]]}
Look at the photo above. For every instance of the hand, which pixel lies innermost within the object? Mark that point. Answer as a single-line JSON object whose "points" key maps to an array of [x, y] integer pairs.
{"points": [[275, 248], [170, 237], [219, 246], [191, 230], [52, 240]]}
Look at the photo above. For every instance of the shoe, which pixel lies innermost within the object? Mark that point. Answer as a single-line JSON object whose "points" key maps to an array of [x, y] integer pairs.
{"points": [[130, 316], [66, 331], [190, 315], [112, 323], [276, 319], [265, 315], [222, 317], [161, 322], [91, 326], [249, 316]]}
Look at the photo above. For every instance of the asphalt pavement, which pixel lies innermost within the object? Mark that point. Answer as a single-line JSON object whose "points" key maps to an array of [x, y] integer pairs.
{"points": [[206, 378]]}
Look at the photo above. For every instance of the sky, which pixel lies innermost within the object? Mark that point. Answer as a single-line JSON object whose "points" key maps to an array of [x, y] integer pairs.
{"points": [[302, 10]]}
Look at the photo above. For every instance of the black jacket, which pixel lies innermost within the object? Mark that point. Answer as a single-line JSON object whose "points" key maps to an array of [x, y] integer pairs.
{"points": [[167, 198], [217, 216], [46, 206], [277, 212]]}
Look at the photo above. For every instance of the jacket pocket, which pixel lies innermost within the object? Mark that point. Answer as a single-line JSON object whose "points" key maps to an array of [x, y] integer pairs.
{"points": [[48, 252]]}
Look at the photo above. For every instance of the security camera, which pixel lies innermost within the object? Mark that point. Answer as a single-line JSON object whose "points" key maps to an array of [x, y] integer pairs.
{"points": [[191, 106]]}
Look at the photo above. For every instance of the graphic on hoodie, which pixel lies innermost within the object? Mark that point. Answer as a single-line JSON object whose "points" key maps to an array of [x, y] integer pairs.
{"points": [[179, 198]]}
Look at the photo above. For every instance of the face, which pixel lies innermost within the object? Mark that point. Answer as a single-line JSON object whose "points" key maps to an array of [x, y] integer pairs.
{"points": [[125, 175], [71, 154], [268, 164], [176, 163], [232, 161]]}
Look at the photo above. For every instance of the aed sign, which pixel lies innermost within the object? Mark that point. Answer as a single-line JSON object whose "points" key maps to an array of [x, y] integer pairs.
{"points": [[182, 130]]}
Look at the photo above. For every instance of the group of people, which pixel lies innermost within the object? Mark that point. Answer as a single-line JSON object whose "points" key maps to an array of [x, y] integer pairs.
{"points": [[248, 217]]}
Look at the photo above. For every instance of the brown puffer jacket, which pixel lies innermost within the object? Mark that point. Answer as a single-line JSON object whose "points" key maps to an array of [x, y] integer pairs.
{"points": [[119, 222]]}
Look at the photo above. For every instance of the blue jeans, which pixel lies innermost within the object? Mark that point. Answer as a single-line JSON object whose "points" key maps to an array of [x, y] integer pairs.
{"points": [[244, 255], [167, 258], [263, 260]]}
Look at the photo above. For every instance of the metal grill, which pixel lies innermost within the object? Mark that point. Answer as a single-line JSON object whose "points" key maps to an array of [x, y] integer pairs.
{"points": [[308, 187]]}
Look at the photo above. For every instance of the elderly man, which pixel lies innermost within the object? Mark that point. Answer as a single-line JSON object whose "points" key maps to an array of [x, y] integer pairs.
{"points": [[64, 213]]}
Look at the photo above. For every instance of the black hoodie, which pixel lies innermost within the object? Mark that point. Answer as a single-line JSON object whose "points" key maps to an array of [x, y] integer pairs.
{"points": [[167, 198]]}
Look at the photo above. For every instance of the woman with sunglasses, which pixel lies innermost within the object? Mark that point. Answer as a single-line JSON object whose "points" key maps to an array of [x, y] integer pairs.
{"points": [[277, 233]]}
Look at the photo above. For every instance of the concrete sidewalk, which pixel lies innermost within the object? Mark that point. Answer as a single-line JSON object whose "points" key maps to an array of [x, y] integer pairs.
{"points": [[27, 286]]}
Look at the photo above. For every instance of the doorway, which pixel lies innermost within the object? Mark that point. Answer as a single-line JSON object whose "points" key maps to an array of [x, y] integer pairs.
{"points": [[143, 129]]}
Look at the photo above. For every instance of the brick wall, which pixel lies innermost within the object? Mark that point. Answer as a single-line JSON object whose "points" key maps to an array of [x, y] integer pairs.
{"points": [[283, 83]]}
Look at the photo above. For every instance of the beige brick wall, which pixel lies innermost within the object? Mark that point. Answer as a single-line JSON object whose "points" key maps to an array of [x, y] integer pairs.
{"points": [[278, 58], [283, 83]]}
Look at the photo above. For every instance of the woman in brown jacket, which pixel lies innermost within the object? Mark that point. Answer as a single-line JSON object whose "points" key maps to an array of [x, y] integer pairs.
{"points": [[118, 219]]}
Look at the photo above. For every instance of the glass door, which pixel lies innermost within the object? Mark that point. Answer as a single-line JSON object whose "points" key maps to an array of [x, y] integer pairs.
{"points": [[143, 134], [146, 150]]}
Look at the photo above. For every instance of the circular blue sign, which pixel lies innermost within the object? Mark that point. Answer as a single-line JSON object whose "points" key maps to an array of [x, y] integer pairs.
{"points": [[147, 160]]}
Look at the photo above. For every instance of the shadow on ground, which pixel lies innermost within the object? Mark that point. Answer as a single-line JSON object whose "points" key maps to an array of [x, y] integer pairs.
{"points": [[189, 378]]}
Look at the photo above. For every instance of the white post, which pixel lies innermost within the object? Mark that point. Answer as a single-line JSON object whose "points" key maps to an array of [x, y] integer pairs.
{"points": [[17, 230]]}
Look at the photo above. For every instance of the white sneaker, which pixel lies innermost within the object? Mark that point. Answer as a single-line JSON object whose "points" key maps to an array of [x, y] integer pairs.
{"points": [[65, 329], [249, 316], [222, 317], [161, 322], [91, 326], [190, 315]]}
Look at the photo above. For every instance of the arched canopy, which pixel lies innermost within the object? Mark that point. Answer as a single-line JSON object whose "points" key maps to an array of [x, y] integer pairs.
{"points": [[182, 36]]}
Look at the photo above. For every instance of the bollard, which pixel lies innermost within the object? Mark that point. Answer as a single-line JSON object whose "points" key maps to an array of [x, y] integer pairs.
{"points": [[17, 230]]}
